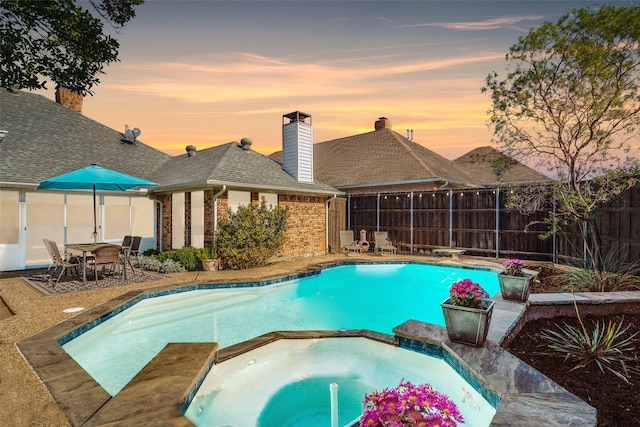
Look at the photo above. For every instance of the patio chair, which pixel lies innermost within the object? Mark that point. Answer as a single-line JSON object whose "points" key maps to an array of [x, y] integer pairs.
{"points": [[64, 264], [348, 244], [106, 256], [53, 263], [383, 243], [135, 252]]}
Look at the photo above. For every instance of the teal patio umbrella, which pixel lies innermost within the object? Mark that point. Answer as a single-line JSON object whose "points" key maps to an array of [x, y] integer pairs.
{"points": [[94, 178]]}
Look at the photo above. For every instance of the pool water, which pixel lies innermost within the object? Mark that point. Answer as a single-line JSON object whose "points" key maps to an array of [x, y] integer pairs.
{"points": [[361, 296], [286, 383]]}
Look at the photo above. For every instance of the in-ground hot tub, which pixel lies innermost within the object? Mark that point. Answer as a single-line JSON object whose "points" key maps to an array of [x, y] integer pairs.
{"points": [[286, 383]]}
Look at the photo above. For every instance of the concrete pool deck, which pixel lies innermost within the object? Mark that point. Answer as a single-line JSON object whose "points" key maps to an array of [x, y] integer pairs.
{"points": [[84, 402]]}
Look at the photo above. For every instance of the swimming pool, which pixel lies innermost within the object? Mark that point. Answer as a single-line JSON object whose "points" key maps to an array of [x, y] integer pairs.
{"points": [[376, 296]]}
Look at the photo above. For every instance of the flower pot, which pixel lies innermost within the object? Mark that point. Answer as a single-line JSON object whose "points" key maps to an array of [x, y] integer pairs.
{"points": [[210, 264], [467, 325], [515, 288]]}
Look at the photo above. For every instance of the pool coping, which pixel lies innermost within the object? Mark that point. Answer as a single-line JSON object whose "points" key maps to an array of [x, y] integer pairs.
{"points": [[85, 402]]}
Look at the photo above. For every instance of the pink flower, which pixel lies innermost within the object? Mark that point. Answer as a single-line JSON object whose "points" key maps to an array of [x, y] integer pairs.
{"points": [[409, 405], [467, 293], [513, 267]]}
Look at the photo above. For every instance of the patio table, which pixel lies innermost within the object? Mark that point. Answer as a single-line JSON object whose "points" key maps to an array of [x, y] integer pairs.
{"points": [[90, 247]]}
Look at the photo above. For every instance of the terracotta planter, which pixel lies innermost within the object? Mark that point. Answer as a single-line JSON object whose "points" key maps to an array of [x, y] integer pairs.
{"points": [[467, 325], [515, 288]]}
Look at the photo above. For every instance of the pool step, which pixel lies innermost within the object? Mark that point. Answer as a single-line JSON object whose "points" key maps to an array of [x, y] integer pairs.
{"points": [[158, 391]]}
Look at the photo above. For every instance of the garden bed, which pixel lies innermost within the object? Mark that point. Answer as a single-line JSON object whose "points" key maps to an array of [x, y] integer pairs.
{"points": [[617, 402]]}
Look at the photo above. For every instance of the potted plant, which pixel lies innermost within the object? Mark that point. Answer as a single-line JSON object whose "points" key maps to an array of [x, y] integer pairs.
{"points": [[515, 284], [467, 312], [409, 405], [208, 259]]}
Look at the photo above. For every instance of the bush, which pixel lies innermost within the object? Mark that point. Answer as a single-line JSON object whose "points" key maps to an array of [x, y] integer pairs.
{"points": [[609, 274], [251, 236], [187, 257], [151, 263], [150, 252], [606, 346]]}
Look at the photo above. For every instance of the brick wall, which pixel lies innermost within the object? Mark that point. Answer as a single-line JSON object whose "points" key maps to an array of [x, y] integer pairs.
{"points": [[165, 200], [306, 226]]}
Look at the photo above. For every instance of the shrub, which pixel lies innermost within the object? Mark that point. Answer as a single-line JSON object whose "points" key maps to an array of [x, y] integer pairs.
{"points": [[187, 257], [609, 274], [606, 346], [251, 236], [151, 263], [150, 252]]}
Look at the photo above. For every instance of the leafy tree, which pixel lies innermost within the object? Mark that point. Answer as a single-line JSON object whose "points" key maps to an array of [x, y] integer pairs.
{"points": [[251, 236], [59, 41], [571, 103]]}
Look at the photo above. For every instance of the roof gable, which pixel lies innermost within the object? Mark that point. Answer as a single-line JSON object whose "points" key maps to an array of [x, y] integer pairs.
{"points": [[490, 166], [231, 165]]}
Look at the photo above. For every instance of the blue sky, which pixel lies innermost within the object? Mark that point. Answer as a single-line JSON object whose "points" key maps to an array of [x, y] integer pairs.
{"points": [[209, 72]]}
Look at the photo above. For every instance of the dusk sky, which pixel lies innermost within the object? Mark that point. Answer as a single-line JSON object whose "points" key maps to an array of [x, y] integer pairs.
{"points": [[210, 72]]}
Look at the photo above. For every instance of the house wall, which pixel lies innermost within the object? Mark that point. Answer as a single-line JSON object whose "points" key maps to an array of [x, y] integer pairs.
{"points": [[306, 231], [305, 234]]}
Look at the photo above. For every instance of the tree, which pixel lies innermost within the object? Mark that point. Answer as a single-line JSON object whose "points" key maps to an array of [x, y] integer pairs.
{"points": [[59, 41], [571, 102], [251, 236]]}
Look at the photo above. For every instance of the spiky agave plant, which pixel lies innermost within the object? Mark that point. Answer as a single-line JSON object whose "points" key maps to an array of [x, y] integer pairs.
{"points": [[607, 346]]}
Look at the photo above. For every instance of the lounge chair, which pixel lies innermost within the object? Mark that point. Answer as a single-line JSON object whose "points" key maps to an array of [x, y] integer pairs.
{"points": [[348, 244], [383, 244]]}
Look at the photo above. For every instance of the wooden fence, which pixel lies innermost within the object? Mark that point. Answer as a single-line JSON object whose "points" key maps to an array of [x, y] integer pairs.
{"points": [[477, 220]]}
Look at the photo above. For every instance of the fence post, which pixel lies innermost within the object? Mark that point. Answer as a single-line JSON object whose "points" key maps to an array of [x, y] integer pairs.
{"points": [[349, 212], [378, 213], [411, 222], [497, 222], [450, 218]]}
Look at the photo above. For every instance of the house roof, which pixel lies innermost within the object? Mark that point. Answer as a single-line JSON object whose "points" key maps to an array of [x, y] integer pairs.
{"points": [[381, 157], [229, 164], [490, 166], [46, 139], [40, 138]]}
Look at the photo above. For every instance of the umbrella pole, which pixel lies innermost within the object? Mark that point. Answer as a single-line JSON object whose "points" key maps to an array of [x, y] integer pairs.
{"points": [[95, 230]]}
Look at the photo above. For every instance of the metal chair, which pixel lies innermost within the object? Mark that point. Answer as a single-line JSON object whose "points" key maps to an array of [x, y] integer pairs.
{"points": [[106, 256], [64, 264]]}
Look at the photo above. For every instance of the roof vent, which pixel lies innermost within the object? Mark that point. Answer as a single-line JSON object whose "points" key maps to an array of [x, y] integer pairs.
{"points": [[245, 143], [382, 123], [191, 150]]}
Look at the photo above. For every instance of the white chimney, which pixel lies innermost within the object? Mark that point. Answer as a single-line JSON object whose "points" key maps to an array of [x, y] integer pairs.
{"points": [[297, 146]]}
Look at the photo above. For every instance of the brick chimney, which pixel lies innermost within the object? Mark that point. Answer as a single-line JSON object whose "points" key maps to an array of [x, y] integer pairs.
{"points": [[382, 123], [70, 99]]}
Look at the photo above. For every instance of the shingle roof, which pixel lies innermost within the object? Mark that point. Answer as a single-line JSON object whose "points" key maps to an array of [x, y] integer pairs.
{"points": [[230, 164], [380, 157], [486, 163], [45, 139]]}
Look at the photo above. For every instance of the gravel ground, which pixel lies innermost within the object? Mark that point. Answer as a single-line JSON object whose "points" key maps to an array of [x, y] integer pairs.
{"points": [[24, 399]]}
